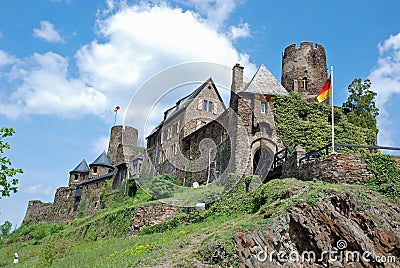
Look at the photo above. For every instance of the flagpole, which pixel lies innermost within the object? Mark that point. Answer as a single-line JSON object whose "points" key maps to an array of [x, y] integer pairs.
{"points": [[115, 118], [332, 115]]}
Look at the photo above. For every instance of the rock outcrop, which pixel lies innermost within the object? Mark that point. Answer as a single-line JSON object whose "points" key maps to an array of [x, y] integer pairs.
{"points": [[342, 229]]}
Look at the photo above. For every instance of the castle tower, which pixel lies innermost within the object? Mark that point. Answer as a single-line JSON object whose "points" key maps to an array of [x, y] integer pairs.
{"points": [[101, 166], [304, 69], [79, 174], [123, 141]]}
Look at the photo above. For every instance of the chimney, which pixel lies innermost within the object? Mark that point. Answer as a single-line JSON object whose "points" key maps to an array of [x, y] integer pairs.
{"points": [[237, 78]]}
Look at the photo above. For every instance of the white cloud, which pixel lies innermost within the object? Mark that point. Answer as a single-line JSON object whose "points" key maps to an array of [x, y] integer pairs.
{"points": [[38, 189], [48, 32], [385, 78], [216, 11], [136, 42], [6, 58], [240, 31], [46, 89], [100, 144]]}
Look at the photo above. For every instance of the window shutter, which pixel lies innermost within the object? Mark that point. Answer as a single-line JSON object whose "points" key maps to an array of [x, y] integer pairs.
{"points": [[198, 124], [199, 104], [215, 108]]}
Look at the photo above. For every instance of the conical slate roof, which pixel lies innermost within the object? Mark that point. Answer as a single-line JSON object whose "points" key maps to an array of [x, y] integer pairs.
{"points": [[102, 160], [264, 82], [82, 167]]}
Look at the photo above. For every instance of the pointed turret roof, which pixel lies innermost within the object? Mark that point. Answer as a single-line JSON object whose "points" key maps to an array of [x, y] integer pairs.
{"points": [[102, 160], [264, 82], [81, 168]]}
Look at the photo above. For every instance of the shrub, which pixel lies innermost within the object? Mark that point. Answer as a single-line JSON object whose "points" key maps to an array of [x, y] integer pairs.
{"points": [[386, 175], [40, 231], [54, 249]]}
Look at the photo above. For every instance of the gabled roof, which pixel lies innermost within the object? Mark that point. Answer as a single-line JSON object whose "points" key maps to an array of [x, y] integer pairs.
{"points": [[184, 102], [102, 160], [263, 82], [81, 168]]}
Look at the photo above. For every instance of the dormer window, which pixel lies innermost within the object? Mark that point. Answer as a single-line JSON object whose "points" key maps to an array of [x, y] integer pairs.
{"points": [[94, 170]]}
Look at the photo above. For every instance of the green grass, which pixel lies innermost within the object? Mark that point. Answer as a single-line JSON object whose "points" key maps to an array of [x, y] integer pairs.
{"points": [[179, 242]]}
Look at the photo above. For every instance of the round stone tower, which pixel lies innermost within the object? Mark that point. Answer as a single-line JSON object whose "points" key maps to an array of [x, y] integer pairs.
{"points": [[122, 143], [304, 69]]}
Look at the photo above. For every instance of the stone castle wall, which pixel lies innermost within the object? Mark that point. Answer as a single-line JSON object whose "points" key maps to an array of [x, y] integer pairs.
{"points": [[62, 209], [333, 168]]}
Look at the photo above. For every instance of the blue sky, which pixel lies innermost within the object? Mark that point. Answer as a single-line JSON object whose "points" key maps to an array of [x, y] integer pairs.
{"points": [[65, 64]]}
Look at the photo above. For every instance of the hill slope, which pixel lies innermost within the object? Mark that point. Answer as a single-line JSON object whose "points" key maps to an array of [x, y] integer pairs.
{"points": [[290, 220]]}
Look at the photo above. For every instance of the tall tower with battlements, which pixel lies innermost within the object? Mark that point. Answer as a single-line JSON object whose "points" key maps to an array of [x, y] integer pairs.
{"points": [[304, 69]]}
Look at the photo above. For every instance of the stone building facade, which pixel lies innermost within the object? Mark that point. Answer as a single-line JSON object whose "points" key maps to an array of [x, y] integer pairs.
{"points": [[304, 69], [214, 142]]}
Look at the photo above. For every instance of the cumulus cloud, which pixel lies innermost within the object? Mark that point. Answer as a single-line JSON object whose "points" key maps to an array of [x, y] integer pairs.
{"points": [[240, 31], [46, 89], [6, 58], [385, 78], [134, 42], [215, 11], [48, 33]]}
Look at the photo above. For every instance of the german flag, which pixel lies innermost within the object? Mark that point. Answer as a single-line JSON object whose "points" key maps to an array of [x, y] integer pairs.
{"points": [[325, 92], [116, 109]]}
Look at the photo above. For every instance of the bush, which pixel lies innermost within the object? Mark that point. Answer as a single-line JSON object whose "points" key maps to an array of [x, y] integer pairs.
{"points": [[54, 249], [40, 231], [386, 175]]}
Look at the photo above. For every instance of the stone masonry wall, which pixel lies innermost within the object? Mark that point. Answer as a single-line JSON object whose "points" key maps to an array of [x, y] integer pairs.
{"points": [[304, 62], [61, 210], [37, 211], [151, 214], [333, 168]]}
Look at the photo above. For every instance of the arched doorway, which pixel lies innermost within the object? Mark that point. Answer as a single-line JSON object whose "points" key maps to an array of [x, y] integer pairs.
{"points": [[262, 161]]}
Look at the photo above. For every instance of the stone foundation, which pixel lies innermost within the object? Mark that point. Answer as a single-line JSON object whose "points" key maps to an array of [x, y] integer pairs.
{"points": [[151, 214]]}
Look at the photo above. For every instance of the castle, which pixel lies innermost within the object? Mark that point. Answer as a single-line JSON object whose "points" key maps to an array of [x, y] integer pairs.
{"points": [[199, 140]]}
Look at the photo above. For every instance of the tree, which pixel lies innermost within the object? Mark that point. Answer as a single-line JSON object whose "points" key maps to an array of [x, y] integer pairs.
{"points": [[361, 102], [5, 228], [7, 182]]}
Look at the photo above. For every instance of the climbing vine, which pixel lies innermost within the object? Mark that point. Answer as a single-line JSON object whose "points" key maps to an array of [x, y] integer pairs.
{"points": [[307, 124]]}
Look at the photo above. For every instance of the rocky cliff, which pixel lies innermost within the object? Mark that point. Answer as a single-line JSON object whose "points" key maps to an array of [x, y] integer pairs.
{"points": [[333, 228]]}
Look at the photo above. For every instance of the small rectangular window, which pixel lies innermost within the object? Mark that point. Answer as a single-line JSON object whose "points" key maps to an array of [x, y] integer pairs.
{"points": [[263, 108], [205, 105], [210, 106]]}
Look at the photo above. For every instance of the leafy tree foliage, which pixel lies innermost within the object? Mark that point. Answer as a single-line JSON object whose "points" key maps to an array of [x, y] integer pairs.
{"points": [[361, 101], [7, 182], [5, 228]]}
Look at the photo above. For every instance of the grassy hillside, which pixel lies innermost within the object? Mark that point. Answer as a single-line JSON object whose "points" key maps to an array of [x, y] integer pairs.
{"points": [[189, 239]]}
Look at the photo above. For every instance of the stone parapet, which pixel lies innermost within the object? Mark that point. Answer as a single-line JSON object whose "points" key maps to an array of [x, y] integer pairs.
{"points": [[333, 168]]}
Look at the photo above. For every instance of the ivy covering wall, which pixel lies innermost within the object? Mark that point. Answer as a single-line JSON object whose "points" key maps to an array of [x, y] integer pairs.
{"points": [[306, 124]]}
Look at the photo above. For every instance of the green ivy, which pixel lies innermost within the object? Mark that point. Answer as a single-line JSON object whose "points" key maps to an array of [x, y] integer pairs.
{"points": [[306, 124], [386, 174]]}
